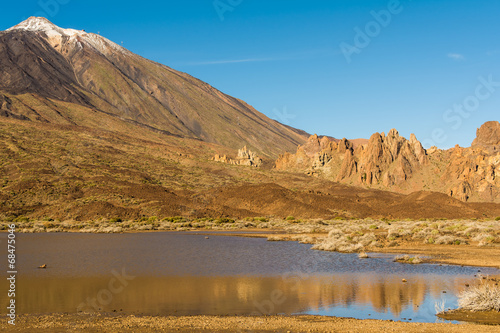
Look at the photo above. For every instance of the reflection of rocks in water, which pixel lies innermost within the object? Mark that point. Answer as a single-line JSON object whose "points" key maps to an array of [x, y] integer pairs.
{"points": [[190, 295]]}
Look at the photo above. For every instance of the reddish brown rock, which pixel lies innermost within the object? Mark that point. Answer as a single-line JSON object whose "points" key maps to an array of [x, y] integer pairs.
{"points": [[388, 160], [487, 135], [244, 157], [394, 163]]}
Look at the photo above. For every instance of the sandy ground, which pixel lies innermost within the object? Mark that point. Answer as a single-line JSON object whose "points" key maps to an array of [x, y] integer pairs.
{"points": [[109, 323], [466, 255]]}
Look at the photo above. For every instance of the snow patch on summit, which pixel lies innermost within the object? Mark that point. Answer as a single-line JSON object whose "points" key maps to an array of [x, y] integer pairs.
{"points": [[42, 24], [57, 36]]}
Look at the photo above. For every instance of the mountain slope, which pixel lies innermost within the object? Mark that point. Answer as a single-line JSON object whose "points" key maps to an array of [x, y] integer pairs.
{"points": [[69, 173], [41, 60]]}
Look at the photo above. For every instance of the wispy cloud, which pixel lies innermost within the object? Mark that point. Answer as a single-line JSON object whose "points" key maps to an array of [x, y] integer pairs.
{"points": [[230, 61], [491, 53], [456, 56], [291, 56]]}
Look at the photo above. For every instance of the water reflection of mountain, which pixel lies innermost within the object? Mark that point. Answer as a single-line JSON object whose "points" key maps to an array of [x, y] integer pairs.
{"points": [[235, 295]]}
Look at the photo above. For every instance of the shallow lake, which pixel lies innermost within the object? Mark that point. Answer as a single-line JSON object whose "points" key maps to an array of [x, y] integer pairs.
{"points": [[185, 274]]}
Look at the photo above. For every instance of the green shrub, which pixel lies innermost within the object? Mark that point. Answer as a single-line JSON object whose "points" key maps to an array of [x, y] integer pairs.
{"points": [[290, 218], [497, 218], [49, 225], [223, 220], [22, 219], [175, 219]]}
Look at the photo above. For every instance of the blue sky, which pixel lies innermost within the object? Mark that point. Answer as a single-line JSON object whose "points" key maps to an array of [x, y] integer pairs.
{"points": [[342, 68]]}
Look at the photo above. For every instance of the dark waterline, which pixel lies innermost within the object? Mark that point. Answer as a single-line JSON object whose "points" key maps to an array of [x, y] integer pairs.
{"points": [[186, 274]]}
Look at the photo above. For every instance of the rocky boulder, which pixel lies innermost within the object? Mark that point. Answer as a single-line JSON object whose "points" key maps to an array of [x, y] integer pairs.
{"points": [[488, 136], [244, 157]]}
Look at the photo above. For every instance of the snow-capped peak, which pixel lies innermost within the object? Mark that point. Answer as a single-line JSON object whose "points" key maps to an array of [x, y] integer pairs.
{"points": [[56, 35], [42, 24]]}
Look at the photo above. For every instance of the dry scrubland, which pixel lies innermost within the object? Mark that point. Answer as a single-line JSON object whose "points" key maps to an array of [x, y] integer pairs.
{"points": [[329, 235], [370, 235]]}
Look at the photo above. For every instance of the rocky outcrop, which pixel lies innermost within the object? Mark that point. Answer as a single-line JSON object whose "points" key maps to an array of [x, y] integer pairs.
{"points": [[395, 163], [244, 157], [384, 159], [6, 109], [488, 136], [472, 174], [390, 159], [315, 151]]}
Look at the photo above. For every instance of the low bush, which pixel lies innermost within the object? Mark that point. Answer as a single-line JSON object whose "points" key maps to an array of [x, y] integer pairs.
{"points": [[408, 259], [483, 297]]}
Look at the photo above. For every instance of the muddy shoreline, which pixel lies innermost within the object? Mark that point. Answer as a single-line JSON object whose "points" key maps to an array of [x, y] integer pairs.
{"points": [[484, 317]]}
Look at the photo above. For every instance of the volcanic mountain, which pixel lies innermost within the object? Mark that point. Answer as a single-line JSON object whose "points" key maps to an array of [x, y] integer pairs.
{"points": [[44, 67], [91, 131]]}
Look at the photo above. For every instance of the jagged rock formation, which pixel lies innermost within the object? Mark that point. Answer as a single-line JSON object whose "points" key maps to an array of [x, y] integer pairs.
{"points": [[389, 159], [474, 173], [392, 162], [245, 157]]}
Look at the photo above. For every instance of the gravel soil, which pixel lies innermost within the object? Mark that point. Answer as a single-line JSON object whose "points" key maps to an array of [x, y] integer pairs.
{"points": [[112, 323]]}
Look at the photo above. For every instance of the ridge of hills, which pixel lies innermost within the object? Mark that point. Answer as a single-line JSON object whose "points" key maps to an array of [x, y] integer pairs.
{"points": [[75, 173]]}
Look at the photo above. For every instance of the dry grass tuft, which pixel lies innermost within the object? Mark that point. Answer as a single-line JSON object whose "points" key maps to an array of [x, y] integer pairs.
{"points": [[483, 297]]}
